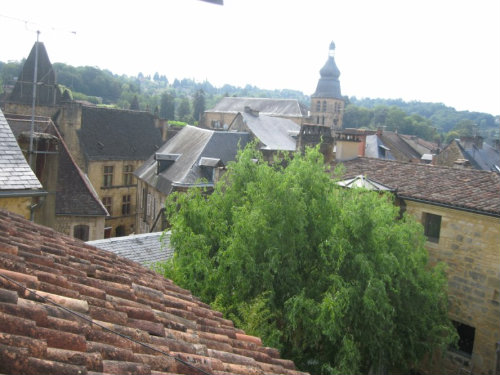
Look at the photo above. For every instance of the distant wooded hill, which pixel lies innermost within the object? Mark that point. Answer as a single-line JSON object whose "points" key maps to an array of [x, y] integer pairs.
{"points": [[184, 99]]}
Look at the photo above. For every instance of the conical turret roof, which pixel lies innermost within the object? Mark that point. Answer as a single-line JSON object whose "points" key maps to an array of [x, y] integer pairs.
{"points": [[47, 93]]}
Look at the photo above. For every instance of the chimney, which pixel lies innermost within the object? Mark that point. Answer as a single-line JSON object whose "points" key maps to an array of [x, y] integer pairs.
{"points": [[379, 131], [251, 111], [461, 163]]}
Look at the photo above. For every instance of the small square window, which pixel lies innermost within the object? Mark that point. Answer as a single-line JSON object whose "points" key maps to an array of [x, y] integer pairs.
{"points": [[432, 226], [465, 338]]}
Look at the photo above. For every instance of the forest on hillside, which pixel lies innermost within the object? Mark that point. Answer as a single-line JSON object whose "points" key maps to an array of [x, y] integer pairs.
{"points": [[185, 100]]}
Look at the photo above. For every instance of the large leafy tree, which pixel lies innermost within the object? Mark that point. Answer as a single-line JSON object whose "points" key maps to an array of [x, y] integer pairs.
{"points": [[198, 104], [333, 277]]}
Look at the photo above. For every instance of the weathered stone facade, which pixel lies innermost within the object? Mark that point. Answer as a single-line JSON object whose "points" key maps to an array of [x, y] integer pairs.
{"points": [[327, 112], [469, 244], [94, 226], [119, 197], [150, 202]]}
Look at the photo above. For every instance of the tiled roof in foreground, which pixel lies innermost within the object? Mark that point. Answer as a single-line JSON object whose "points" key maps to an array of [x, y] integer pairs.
{"points": [[468, 189], [115, 299]]}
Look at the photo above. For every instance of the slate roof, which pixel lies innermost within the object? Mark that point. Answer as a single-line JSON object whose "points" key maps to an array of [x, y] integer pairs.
{"points": [[467, 189], [47, 93], [115, 134], [191, 144], [329, 84], [75, 194], [400, 149], [486, 158], [266, 106], [375, 148], [16, 175], [145, 249], [274, 133], [126, 314]]}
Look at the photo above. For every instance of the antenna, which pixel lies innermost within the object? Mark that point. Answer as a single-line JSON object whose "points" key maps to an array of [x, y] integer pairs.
{"points": [[33, 103]]}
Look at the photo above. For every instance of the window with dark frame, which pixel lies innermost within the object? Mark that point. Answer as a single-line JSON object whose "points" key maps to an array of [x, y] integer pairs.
{"points": [[318, 106], [81, 232], [126, 205], [108, 204], [466, 335], [107, 180], [432, 226], [324, 106], [128, 177]]}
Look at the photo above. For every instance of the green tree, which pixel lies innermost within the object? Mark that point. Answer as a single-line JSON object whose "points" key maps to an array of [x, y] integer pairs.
{"points": [[333, 277], [134, 104], [167, 106], [198, 104], [184, 111]]}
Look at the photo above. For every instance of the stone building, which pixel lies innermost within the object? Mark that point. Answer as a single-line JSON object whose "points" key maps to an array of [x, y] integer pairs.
{"points": [[107, 144], [471, 152], [460, 213], [194, 157], [327, 104], [71, 205]]}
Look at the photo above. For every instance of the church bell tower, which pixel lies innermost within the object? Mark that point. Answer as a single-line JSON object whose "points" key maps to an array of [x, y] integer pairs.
{"points": [[327, 105]]}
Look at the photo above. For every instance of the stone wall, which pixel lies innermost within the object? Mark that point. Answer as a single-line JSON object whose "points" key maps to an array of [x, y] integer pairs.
{"points": [[18, 205], [330, 115], [469, 244], [149, 203], [66, 224], [116, 192]]}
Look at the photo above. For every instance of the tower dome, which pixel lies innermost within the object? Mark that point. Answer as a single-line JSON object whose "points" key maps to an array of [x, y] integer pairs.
{"points": [[329, 84]]}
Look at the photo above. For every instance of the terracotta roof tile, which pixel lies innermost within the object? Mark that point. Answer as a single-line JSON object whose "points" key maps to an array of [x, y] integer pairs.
{"points": [[467, 189], [127, 315]]}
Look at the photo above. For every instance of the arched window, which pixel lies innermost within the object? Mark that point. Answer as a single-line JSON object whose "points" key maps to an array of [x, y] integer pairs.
{"points": [[81, 232]]}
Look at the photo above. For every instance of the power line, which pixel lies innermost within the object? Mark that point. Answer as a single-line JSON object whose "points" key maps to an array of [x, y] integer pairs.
{"points": [[103, 327], [36, 25]]}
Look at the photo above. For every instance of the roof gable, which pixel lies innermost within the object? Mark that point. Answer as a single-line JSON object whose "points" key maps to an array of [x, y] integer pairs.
{"points": [[128, 319], [273, 132], [75, 194], [113, 134]]}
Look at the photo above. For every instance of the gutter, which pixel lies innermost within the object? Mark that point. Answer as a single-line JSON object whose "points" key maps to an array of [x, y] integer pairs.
{"points": [[471, 210], [22, 193]]}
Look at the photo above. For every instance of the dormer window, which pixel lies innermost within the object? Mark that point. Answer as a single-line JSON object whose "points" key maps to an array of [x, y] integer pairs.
{"points": [[164, 161], [210, 165]]}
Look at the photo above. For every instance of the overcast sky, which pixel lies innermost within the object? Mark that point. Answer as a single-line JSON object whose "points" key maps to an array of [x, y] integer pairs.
{"points": [[444, 51]]}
